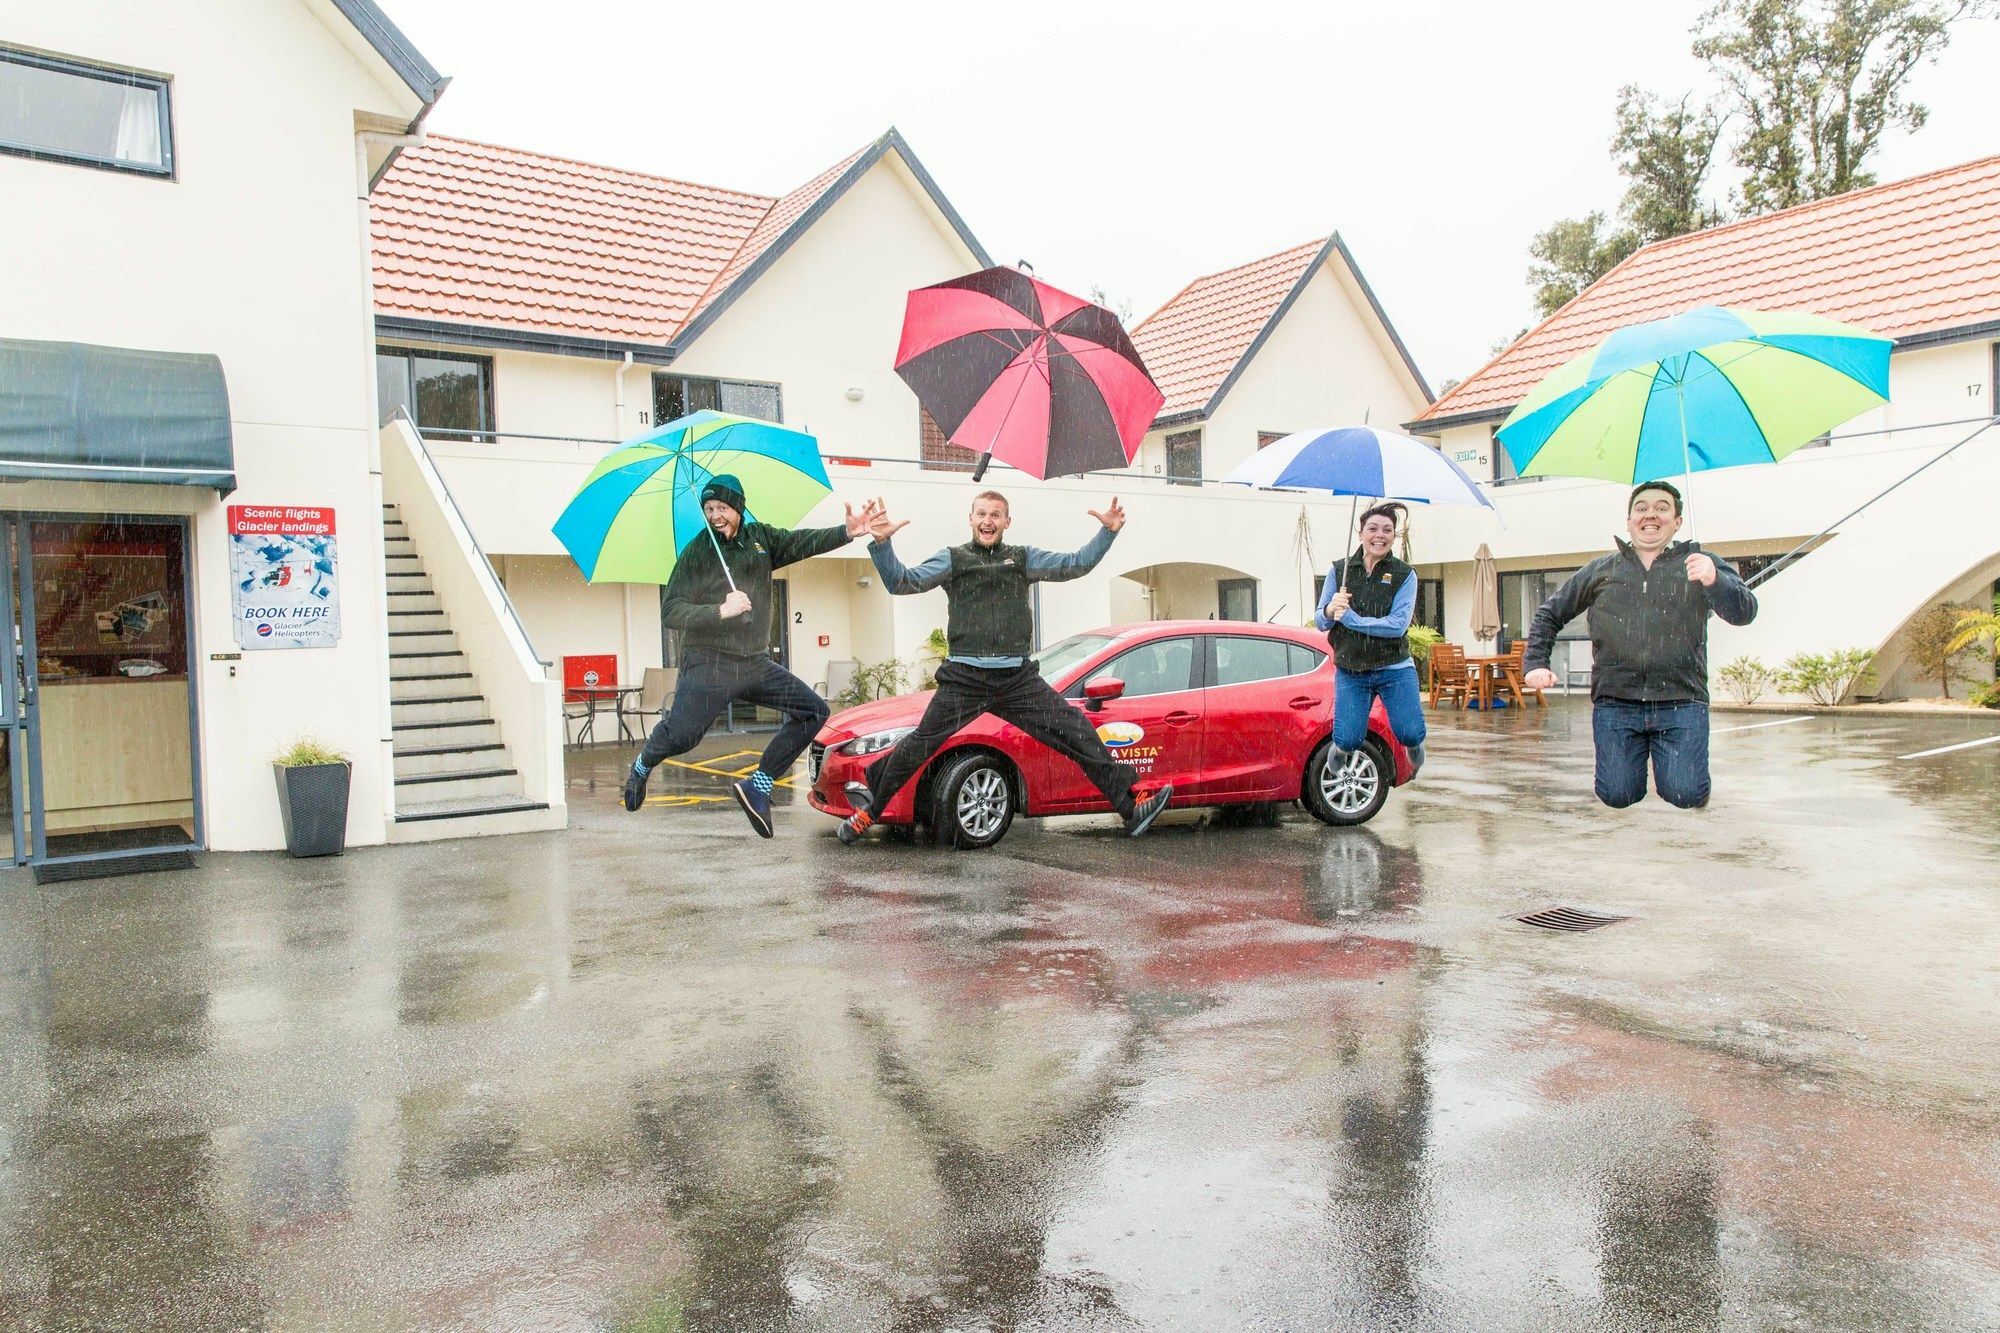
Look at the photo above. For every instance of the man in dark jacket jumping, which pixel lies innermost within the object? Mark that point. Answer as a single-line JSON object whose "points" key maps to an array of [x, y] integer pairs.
{"points": [[991, 634], [1649, 604], [724, 616]]}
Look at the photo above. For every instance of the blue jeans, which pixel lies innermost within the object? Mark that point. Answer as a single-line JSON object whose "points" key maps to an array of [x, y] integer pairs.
{"points": [[1674, 736], [1354, 695]]}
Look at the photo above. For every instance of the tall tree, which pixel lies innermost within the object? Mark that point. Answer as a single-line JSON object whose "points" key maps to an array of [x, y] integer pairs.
{"points": [[1664, 151], [1818, 83], [1572, 254]]}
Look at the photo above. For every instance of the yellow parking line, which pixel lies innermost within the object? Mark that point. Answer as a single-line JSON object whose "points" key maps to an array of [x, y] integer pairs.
{"points": [[682, 801]]}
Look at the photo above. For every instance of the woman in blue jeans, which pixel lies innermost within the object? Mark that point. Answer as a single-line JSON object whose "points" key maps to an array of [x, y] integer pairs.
{"points": [[1366, 611]]}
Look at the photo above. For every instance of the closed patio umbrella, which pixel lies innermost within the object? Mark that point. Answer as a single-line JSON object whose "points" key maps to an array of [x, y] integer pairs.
{"points": [[1485, 595]]}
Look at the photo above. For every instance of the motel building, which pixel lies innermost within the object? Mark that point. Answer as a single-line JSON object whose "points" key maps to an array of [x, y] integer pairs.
{"points": [[1914, 260], [531, 311], [195, 552]]}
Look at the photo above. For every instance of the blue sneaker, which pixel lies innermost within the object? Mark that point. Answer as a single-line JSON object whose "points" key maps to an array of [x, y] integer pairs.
{"points": [[635, 786], [756, 805]]}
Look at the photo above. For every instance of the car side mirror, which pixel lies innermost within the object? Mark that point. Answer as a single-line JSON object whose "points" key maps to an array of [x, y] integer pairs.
{"points": [[1099, 692]]}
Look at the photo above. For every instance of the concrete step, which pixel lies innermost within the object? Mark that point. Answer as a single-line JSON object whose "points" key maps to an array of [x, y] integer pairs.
{"points": [[416, 622], [448, 756], [424, 664], [414, 599], [402, 641], [436, 685], [492, 781], [405, 580], [435, 821], [479, 730], [454, 706]]}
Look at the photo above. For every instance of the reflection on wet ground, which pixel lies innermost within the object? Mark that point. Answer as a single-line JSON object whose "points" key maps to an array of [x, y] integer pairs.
{"points": [[653, 1073]]}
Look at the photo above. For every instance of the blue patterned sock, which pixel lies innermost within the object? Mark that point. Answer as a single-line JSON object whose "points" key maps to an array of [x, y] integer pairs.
{"points": [[641, 769], [761, 781]]}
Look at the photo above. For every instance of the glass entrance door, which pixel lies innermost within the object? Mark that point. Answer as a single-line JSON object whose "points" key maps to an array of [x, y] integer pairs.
{"points": [[105, 731]]}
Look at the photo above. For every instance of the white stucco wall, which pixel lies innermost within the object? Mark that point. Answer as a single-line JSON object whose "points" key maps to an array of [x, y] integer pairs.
{"points": [[254, 253]]}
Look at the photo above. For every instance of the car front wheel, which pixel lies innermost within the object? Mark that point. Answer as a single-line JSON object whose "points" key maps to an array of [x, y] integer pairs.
{"points": [[1351, 794], [973, 802]]}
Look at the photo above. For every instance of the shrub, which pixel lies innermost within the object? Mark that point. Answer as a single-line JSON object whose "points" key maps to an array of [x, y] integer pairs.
{"points": [[1824, 678], [876, 681], [1938, 642], [1987, 696], [305, 752], [1748, 679]]}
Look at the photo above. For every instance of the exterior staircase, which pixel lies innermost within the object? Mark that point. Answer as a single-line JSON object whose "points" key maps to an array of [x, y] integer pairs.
{"points": [[454, 775]]}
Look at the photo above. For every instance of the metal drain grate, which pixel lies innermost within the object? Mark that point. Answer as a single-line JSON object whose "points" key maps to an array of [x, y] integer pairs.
{"points": [[1569, 918]]}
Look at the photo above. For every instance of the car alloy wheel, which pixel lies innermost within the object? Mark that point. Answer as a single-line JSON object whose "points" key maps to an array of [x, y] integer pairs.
{"points": [[983, 799], [1352, 787]]}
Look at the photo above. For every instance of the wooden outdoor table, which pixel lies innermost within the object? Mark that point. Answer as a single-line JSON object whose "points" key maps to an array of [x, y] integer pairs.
{"points": [[1483, 673]]}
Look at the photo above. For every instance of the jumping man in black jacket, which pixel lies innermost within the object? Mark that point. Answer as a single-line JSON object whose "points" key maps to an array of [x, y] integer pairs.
{"points": [[725, 637], [1649, 604], [991, 634]]}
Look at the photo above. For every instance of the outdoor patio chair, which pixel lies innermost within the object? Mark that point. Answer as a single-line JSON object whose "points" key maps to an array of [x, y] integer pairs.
{"points": [[656, 687], [840, 674], [1519, 652], [1448, 678]]}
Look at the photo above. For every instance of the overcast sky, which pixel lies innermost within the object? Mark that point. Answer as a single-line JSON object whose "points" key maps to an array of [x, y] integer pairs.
{"points": [[1135, 146]]}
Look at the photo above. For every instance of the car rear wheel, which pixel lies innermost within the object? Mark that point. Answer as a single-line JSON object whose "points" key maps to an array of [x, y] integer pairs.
{"points": [[973, 801], [1351, 794]]}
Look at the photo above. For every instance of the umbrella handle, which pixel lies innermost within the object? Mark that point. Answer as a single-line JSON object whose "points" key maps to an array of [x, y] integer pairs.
{"points": [[979, 469]]}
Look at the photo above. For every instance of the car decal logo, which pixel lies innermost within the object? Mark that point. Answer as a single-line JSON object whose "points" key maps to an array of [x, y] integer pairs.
{"points": [[1118, 735]]}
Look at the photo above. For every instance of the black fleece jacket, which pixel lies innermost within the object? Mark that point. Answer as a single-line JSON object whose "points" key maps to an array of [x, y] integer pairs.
{"points": [[1648, 627], [693, 600]]}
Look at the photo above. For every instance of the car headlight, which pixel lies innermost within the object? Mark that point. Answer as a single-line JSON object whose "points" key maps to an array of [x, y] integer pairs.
{"points": [[876, 741]]}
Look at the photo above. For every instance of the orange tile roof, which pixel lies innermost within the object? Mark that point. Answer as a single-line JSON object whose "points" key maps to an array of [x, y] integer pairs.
{"points": [[1914, 257], [471, 233], [1193, 342]]}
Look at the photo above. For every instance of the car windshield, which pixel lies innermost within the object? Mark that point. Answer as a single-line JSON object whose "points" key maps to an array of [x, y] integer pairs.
{"points": [[1063, 654]]}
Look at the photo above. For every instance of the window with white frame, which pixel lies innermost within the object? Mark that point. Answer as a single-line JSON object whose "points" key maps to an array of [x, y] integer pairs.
{"points": [[63, 110]]}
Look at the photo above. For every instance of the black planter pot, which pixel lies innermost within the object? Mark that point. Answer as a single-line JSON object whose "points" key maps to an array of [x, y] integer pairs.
{"points": [[313, 800]]}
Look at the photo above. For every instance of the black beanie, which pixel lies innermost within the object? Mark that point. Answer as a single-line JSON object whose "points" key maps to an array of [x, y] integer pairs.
{"points": [[725, 487]]}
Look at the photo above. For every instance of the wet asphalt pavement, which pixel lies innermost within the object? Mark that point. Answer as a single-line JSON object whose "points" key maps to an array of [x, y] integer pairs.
{"points": [[652, 1073]]}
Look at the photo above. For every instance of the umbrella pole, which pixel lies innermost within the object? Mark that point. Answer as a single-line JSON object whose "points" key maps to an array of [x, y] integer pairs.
{"points": [[1353, 507], [1687, 466], [979, 468], [719, 559]]}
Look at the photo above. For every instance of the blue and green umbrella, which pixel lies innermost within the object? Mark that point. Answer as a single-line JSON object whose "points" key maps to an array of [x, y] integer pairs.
{"points": [[642, 502], [1709, 388]]}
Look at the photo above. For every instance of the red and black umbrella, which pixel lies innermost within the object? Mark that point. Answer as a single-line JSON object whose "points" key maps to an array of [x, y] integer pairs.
{"points": [[1012, 368]]}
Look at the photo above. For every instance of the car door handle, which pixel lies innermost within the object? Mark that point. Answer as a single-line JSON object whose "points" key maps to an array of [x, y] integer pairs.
{"points": [[1177, 718], [1304, 701]]}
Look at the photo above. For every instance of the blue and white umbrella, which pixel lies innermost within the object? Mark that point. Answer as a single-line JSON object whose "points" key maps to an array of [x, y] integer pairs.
{"points": [[1360, 461]]}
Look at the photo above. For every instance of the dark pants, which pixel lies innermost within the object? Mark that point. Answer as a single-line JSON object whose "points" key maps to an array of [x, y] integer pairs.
{"points": [[1674, 736], [710, 682], [1013, 694]]}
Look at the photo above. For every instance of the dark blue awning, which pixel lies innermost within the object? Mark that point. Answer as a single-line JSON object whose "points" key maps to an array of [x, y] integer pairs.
{"points": [[74, 412]]}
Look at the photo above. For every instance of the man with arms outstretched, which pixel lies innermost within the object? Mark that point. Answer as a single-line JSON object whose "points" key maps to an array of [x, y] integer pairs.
{"points": [[719, 597], [990, 669]]}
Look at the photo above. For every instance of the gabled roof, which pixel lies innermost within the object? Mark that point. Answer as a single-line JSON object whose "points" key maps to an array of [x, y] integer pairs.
{"points": [[1199, 343], [1916, 260], [493, 246], [397, 50]]}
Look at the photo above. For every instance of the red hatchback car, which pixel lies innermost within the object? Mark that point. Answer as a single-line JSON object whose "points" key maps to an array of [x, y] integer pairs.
{"points": [[1231, 713]]}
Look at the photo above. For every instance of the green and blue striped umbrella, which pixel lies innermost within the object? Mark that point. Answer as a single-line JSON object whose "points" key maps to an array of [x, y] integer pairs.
{"points": [[642, 502], [1709, 388]]}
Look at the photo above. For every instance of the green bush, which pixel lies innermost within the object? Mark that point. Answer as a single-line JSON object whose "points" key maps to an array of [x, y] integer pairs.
{"points": [[1824, 678], [1987, 696], [1748, 679], [306, 752], [876, 681]]}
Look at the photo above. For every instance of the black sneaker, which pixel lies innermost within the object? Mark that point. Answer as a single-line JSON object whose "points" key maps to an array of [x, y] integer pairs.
{"points": [[635, 788], [756, 807], [1144, 813]]}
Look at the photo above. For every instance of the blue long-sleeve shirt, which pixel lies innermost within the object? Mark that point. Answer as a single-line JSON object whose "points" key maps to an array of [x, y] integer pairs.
{"points": [[1397, 623], [1043, 567]]}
